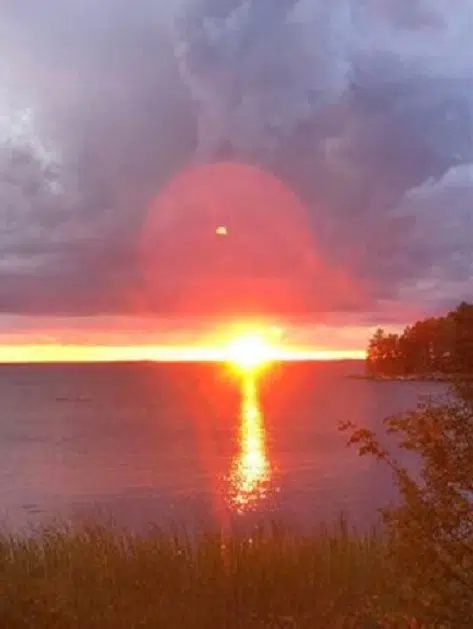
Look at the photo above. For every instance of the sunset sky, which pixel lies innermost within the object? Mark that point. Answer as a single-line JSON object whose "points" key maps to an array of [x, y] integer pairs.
{"points": [[173, 171]]}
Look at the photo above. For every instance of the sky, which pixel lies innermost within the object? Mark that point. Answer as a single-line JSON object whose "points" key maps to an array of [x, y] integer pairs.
{"points": [[333, 141]]}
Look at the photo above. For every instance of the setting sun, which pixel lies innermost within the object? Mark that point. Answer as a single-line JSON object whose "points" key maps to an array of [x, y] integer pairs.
{"points": [[249, 352]]}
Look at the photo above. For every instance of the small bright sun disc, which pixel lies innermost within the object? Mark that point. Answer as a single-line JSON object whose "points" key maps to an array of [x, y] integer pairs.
{"points": [[249, 352]]}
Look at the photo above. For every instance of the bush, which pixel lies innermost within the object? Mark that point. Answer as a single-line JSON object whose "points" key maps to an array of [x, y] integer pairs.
{"points": [[431, 530]]}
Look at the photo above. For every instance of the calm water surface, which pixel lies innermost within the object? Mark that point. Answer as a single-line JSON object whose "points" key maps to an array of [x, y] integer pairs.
{"points": [[191, 444]]}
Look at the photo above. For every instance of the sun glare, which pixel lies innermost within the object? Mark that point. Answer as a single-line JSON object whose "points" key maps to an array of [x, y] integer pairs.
{"points": [[249, 352]]}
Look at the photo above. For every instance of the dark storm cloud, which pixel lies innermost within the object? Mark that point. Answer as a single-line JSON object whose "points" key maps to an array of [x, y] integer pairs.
{"points": [[349, 102], [107, 98], [354, 106]]}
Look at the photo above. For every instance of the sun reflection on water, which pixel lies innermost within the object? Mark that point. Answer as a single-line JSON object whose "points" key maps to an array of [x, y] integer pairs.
{"points": [[251, 470]]}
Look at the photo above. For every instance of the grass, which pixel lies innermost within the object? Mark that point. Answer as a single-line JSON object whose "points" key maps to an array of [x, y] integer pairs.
{"points": [[99, 577]]}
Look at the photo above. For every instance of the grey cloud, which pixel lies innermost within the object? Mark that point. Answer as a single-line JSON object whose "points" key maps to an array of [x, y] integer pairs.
{"points": [[373, 111], [432, 40], [255, 73], [106, 95], [443, 228], [350, 103], [390, 141]]}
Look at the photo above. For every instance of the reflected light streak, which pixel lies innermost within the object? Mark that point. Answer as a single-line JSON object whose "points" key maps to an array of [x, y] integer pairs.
{"points": [[251, 471]]}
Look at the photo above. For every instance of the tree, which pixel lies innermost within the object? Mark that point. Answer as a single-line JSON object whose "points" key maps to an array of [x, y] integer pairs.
{"points": [[374, 353], [462, 349], [433, 345], [383, 357], [431, 531]]}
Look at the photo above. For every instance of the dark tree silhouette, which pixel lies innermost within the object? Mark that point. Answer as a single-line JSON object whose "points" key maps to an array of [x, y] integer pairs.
{"points": [[442, 345]]}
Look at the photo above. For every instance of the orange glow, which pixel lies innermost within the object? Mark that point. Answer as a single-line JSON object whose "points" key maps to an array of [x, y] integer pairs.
{"points": [[251, 472], [201, 353], [247, 344]]}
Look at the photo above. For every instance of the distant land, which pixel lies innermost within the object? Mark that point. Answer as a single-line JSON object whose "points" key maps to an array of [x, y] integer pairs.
{"points": [[436, 349]]}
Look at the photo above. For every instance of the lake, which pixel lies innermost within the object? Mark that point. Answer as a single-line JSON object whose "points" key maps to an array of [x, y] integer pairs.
{"points": [[192, 444]]}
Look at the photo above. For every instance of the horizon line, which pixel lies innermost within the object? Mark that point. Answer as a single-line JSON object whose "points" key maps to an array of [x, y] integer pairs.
{"points": [[38, 354]]}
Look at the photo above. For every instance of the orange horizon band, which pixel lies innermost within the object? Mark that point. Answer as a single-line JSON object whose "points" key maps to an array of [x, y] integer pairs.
{"points": [[102, 353]]}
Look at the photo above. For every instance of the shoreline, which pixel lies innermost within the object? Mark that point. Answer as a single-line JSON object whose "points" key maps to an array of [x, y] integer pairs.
{"points": [[441, 378]]}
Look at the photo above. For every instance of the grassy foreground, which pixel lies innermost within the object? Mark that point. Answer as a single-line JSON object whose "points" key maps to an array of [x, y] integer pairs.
{"points": [[95, 577]]}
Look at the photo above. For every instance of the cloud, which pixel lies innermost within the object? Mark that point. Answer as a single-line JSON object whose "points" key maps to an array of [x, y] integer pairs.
{"points": [[255, 72], [441, 238], [349, 103], [111, 107]]}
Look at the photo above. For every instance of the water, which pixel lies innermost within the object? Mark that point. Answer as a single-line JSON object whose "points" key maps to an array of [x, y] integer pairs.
{"points": [[191, 444]]}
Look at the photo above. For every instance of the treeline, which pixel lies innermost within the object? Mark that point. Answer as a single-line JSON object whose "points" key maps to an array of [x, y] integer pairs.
{"points": [[436, 345]]}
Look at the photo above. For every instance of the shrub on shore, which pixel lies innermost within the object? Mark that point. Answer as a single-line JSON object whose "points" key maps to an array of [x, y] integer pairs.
{"points": [[430, 533]]}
